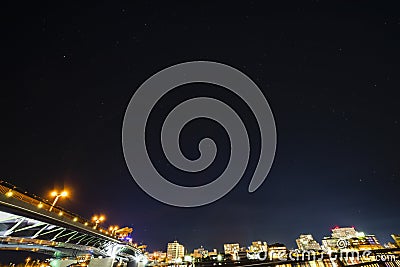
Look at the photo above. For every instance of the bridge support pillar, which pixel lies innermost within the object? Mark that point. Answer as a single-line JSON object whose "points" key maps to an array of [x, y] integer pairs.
{"points": [[103, 262], [61, 263]]}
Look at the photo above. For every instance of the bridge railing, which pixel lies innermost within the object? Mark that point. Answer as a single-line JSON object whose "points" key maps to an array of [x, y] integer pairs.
{"points": [[12, 191]]}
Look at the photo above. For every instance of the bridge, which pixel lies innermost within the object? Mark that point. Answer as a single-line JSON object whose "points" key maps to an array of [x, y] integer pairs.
{"points": [[31, 223]]}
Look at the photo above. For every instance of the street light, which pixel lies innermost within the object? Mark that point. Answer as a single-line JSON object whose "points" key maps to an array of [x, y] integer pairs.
{"points": [[98, 219], [56, 196], [113, 229], [27, 260], [9, 193]]}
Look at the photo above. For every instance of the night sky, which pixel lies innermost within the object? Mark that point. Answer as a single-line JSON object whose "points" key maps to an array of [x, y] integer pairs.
{"points": [[330, 72]]}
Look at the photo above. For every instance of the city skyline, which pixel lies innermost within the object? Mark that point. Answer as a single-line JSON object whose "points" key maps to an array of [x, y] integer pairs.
{"points": [[248, 245], [342, 241]]}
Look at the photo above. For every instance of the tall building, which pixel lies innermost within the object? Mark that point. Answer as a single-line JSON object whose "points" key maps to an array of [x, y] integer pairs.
{"points": [[175, 251], [232, 249], [307, 242], [339, 233]]}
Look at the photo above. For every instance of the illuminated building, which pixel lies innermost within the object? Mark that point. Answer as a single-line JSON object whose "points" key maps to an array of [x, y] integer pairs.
{"points": [[258, 246], [307, 242], [351, 239], [200, 252], [366, 242], [232, 249], [175, 251], [277, 251], [396, 239], [344, 232], [340, 233], [329, 243], [157, 256], [390, 245]]}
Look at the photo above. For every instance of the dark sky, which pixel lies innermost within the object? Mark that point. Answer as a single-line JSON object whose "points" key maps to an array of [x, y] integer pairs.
{"points": [[330, 72]]}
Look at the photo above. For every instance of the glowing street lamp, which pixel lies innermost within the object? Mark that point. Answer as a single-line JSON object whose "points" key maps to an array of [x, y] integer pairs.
{"points": [[27, 260], [57, 196], [113, 229], [9, 193], [98, 219]]}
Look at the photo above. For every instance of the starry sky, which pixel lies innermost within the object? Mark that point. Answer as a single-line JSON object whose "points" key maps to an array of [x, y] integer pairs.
{"points": [[329, 70]]}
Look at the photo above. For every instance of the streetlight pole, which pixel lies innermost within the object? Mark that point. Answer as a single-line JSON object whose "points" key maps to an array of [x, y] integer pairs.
{"points": [[113, 229], [98, 220], [57, 197], [27, 261]]}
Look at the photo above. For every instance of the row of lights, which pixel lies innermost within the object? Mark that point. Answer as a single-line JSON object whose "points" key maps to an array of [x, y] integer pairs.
{"points": [[97, 219], [34, 262], [54, 194]]}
